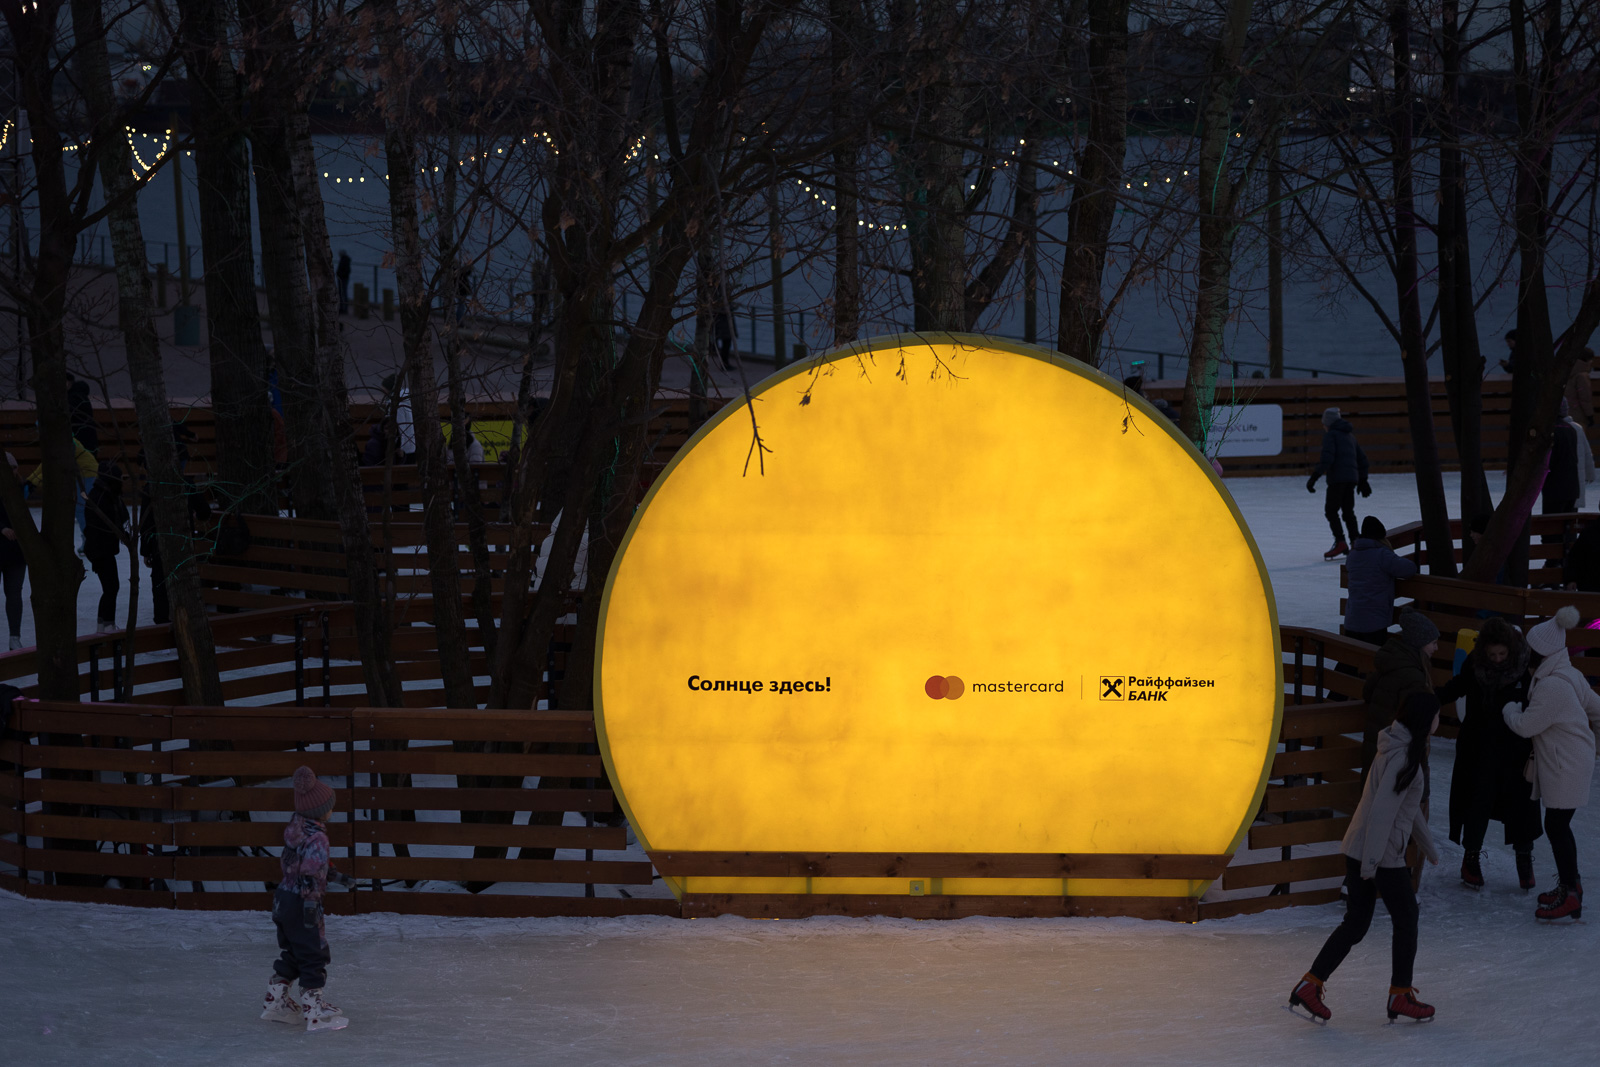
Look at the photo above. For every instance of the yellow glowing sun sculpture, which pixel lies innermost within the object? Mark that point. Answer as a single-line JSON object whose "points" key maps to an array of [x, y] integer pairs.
{"points": [[981, 600]]}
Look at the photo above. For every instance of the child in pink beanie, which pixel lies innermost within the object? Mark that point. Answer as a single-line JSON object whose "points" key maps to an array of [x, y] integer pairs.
{"points": [[297, 912]]}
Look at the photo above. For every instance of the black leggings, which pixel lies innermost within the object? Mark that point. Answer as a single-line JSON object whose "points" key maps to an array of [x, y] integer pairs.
{"points": [[1558, 828], [105, 569], [1394, 885], [1341, 501], [14, 575]]}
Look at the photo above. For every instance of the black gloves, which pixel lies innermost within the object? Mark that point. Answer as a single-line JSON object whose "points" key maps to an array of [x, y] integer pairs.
{"points": [[1311, 485], [1365, 488], [338, 877]]}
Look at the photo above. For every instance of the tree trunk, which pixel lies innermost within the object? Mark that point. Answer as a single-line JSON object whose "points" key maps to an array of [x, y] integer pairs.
{"points": [[988, 284], [1413, 352], [842, 38], [933, 174], [1218, 227], [369, 595], [444, 568], [1540, 372], [238, 357], [1458, 326], [54, 570], [1274, 264], [191, 630], [1097, 178], [274, 109]]}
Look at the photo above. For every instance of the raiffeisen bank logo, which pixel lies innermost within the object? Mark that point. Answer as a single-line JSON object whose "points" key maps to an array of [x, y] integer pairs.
{"points": [[944, 687]]}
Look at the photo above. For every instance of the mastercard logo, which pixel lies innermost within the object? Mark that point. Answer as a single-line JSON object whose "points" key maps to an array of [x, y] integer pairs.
{"points": [[945, 687]]}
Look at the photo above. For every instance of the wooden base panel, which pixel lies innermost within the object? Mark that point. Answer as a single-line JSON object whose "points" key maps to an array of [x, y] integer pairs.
{"points": [[1222, 909], [801, 906]]}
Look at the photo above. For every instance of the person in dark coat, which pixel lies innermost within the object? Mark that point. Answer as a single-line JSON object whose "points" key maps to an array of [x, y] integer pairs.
{"points": [[1488, 782], [107, 514], [14, 570], [1402, 667], [1563, 483], [84, 426], [1580, 567], [1373, 568], [199, 509], [1345, 464], [341, 274]]}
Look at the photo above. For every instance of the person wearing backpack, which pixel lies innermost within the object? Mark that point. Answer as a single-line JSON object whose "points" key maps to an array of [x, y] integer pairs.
{"points": [[1345, 464]]}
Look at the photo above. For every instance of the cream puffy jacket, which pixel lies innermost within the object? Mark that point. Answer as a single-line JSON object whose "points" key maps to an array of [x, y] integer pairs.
{"points": [[1384, 819], [1562, 716]]}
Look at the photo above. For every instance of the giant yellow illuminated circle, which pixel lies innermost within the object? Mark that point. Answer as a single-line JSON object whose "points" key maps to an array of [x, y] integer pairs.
{"points": [[943, 618]]}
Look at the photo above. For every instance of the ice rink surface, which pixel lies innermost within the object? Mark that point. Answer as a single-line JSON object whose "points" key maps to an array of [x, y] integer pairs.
{"points": [[96, 985]]}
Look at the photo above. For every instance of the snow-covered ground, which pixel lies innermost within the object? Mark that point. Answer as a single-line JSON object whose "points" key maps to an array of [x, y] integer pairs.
{"points": [[98, 985]]}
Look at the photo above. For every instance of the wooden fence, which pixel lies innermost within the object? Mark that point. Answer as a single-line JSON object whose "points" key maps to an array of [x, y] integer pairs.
{"points": [[1455, 604], [184, 807], [304, 654], [160, 805], [1375, 407], [669, 427]]}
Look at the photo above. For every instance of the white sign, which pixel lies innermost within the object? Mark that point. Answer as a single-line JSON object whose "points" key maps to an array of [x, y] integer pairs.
{"points": [[1246, 430]]}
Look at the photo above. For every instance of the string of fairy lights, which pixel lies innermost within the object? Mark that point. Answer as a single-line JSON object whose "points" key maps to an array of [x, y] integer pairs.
{"points": [[634, 151]]}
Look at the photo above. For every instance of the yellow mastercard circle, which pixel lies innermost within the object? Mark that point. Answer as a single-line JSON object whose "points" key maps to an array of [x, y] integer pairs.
{"points": [[962, 596]]}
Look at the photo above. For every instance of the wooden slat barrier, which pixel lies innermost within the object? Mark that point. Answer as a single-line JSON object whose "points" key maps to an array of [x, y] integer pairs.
{"points": [[289, 638], [1314, 784], [1455, 604], [152, 790], [132, 804], [298, 560], [668, 429], [1375, 407], [935, 865]]}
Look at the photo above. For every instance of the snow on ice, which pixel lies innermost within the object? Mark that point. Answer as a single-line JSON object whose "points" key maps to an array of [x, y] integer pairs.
{"points": [[101, 985]]}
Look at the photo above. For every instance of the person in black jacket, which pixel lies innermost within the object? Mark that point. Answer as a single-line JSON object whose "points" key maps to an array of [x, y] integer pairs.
{"points": [[1487, 782], [14, 570], [1580, 567], [1345, 464], [105, 518], [199, 509]]}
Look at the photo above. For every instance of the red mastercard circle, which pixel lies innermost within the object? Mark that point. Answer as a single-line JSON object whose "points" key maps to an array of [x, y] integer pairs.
{"points": [[937, 687]]}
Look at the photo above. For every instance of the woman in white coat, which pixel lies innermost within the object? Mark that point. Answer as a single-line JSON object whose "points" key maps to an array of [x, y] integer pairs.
{"points": [[1389, 814], [1562, 716]]}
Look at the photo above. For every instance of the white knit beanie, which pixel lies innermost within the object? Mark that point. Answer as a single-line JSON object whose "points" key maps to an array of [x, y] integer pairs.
{"points": [[1550, 636]]}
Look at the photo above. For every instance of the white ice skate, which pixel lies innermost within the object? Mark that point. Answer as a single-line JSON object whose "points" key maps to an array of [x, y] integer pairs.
{"points": [[279, 1005], [318, 1013]]}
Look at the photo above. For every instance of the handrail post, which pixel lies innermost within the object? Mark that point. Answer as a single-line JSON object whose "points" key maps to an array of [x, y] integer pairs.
{"points": [[299, 661], [327, 655], [94, 673]]}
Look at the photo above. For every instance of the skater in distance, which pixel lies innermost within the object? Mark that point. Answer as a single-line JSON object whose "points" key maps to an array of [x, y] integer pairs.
{"points": [[1345, 464], [1562, 716], [297, 912], [1389, 814]]}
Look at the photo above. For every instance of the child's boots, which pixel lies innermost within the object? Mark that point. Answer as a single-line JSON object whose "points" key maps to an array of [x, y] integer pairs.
{"points": [[318, 1013], [279, 1005]]}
